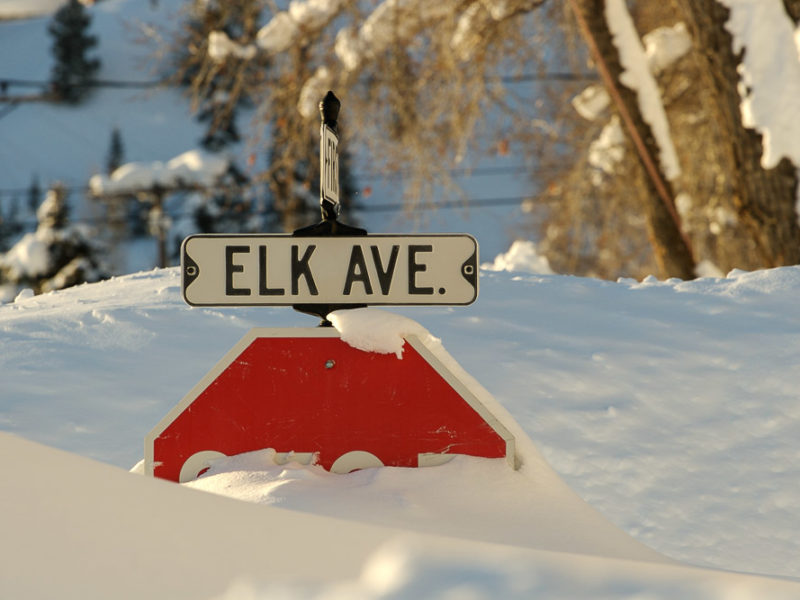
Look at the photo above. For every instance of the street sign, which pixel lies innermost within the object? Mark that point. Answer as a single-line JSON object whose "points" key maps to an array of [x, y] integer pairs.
{"points": [[329, 159], [283, 270], [315, 399]]}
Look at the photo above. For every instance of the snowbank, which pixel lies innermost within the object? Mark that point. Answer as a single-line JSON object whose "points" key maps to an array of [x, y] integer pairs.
{"points": [[110, 534], [669, 406], [522, 256]]}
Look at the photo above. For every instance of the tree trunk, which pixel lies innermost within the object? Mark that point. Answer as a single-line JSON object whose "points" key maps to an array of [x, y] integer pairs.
{"points": [[671, 250], [764, 199], [793, 10]]}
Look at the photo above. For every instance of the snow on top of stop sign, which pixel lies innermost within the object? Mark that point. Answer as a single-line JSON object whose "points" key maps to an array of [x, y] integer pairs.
{"points": [[376, 330]]}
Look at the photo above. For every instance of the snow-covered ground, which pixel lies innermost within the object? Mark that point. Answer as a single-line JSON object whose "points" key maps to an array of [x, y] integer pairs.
{"points": [[659, 421], [671, 408]]}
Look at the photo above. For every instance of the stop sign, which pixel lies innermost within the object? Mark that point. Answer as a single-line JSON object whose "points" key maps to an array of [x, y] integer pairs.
{"points": [[313, 398]]}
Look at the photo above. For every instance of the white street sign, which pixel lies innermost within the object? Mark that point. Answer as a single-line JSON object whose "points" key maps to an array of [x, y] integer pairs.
{"points": [[329, 165], [281, 270]]}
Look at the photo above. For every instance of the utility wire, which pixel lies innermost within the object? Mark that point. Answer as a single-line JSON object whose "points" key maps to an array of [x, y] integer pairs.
{"points": [[364, 176], [6, 83], [101, 83], [361, 208]]}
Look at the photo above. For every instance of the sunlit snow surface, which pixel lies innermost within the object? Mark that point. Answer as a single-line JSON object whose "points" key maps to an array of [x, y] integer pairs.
{"points": [[670, 407]]}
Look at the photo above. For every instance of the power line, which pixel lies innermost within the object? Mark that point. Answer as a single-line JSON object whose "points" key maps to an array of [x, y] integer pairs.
{"points": [[364, 176], [106, 83], [374, 208], [6, 82]]}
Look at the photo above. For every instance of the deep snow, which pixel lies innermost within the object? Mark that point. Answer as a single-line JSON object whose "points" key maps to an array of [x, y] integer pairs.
{"points": [[670, 407]]}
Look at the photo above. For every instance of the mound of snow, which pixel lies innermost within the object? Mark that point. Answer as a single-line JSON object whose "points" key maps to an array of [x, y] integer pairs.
{"points": [[521, 256]]}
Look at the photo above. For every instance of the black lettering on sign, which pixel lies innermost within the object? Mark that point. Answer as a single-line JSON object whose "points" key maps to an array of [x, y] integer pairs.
{"points": [[231, 268], [263, 284], [357, 262], [300, 267], [414, 267], [385, 275]]}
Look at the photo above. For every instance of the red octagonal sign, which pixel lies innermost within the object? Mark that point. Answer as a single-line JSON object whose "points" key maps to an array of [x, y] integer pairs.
{"points": [[313, 398]]}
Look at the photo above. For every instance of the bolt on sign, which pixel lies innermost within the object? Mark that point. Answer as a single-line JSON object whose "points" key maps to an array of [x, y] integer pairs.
{"points": [[283, 270]]}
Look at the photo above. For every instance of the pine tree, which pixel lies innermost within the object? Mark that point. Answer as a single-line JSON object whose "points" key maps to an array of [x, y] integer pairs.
{"points": [[223, 84], [34, 194], [10, 225], [116, 152], [57, 255], [73, 71]]}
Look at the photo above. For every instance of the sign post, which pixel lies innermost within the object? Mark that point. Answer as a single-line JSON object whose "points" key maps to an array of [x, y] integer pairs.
{"points": [[306, 393]]}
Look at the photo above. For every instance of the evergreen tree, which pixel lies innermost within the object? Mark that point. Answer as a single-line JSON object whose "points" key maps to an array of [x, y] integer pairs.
{"points": [[73, 71], [221, 122], [221, 85], [57, 255], [34, 194], [10, 225], [116, 152]]}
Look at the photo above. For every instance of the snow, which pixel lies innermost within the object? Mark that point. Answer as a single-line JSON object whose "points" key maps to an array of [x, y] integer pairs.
{"points": [[637, 76], [770, 74], [220, 46], [522, 256], [608, 150], [313, 14], [376, 330], [280, 32], [277, 35], [658, 420], [658, 414], [665, 45], [195, 167], [30, 256], [591, 102]]}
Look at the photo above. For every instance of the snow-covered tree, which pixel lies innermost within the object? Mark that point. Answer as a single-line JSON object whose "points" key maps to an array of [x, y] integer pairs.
{"points": [[74, 70], [218, 90], [34, 194], [675, 163], [194, 191], [222, 86], [430, 82], [57, 255], [10, 225]]}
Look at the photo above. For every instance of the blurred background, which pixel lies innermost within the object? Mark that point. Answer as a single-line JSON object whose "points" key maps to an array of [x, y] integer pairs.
{"points": [[606, 138]]}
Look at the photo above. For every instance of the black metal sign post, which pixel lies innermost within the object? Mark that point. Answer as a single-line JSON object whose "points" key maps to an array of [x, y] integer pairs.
{"points": [[329, 265], [328, 197]]}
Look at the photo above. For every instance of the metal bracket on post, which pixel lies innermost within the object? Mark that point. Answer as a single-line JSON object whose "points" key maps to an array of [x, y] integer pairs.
{"points": [[329, 203]]}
